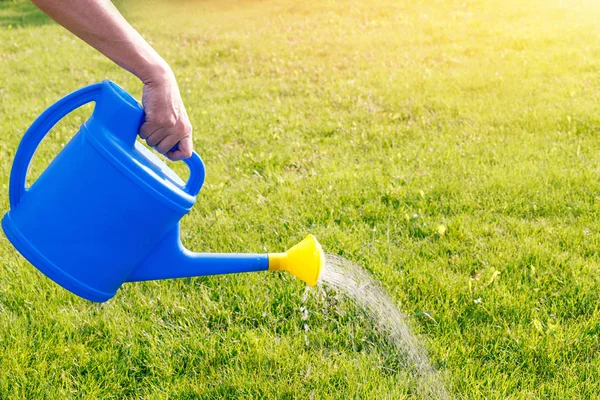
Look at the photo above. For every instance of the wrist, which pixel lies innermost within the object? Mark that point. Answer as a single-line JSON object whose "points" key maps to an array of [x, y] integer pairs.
{"points": [[155, 72]]}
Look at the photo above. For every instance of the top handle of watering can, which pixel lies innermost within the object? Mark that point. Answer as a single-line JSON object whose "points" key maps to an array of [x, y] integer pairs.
{"points": [[38, 130], [197, 173]]}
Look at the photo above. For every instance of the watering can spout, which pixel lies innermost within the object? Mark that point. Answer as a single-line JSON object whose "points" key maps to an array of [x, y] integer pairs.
{"points": [[305, 260], [170, 259]]}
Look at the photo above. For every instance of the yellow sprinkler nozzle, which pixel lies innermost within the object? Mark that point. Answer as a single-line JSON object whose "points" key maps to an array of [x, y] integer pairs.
{"points": [[305, 260]]}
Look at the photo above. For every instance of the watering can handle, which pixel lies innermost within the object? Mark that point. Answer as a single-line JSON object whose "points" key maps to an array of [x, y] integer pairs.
{"points": [[197, 174], [38, 130], [196, 178]]}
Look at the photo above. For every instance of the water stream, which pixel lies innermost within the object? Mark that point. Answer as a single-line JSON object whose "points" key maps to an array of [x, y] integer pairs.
{"points": [[358, 284]]}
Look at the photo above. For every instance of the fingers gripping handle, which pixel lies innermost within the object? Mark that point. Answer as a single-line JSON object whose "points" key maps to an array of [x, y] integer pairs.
{"points": [[38, 130]]}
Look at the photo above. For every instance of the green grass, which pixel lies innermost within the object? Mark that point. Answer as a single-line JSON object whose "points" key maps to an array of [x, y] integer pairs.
{"points": [[450, 147]]}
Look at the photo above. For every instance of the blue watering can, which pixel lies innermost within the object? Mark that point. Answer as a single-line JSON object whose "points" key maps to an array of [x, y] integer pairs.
{"points": [[106, 210]]}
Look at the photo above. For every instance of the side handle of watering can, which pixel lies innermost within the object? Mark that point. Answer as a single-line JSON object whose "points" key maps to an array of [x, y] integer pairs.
{"points": [[38, 130]]}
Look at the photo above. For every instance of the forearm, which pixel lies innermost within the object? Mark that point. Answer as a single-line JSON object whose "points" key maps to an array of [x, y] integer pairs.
{"points": [[99, 23]]}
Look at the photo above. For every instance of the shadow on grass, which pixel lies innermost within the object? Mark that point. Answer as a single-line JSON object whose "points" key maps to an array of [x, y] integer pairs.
{"points": [[21, 13]]}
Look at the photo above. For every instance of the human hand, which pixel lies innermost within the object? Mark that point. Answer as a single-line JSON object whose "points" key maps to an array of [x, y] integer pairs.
{"points": [[167, 123]]}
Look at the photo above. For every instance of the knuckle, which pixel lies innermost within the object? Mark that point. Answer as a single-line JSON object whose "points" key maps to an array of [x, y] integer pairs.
{"points": [[182, 128], [171, 121], [167, 121], [162, 149], [152, 141]]}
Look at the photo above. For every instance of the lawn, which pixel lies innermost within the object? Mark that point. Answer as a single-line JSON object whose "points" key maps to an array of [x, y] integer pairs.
{"points": [[449, 147]]}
